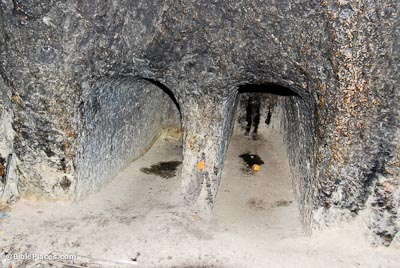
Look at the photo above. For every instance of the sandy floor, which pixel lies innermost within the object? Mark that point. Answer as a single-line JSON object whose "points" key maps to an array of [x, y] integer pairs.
{"points": [[134, 222]]}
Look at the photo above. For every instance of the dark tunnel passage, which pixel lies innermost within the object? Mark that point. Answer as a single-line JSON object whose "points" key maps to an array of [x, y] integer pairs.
{"points": [[123, 118], [259, 102], [274, 124]]}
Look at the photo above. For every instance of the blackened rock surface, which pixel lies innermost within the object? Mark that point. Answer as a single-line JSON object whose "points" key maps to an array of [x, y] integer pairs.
{"points": [[165, 170]]}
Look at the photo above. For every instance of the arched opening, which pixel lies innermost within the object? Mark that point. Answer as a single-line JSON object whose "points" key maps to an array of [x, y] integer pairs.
{"points": [[258, 187], [123, 118]]}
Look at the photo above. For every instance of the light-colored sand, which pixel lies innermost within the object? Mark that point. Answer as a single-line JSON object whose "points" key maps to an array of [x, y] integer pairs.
{"points": [[255, 222]]}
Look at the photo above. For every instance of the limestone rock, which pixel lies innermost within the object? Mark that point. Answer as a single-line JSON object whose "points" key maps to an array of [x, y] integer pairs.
{"points": [[73, 71]]}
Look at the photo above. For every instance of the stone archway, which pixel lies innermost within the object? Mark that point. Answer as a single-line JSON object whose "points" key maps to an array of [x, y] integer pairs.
{"points": [[122, 118], [208, 125]]}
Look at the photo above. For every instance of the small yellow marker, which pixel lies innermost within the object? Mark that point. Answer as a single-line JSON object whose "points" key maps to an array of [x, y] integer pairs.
{"points": [[255, 168], [200, 165]]}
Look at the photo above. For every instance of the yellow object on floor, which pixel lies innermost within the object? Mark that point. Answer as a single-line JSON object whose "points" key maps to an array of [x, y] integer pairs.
{"points": [[256, 167], [200, 165]]}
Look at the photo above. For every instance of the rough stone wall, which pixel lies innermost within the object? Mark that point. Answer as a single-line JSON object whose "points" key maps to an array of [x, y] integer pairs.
{"points": [[121, 118], [8, 174], [51, 53], [358, 118], [340, 57], [299, 131]]}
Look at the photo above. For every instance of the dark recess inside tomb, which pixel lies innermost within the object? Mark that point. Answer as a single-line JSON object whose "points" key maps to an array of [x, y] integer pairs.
{"points": [[122, 118], [268, 106], [267, 89], [259, 101]]}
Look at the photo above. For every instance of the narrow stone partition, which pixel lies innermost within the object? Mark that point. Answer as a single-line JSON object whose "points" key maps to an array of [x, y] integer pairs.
{"points": [[207, 125]]}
